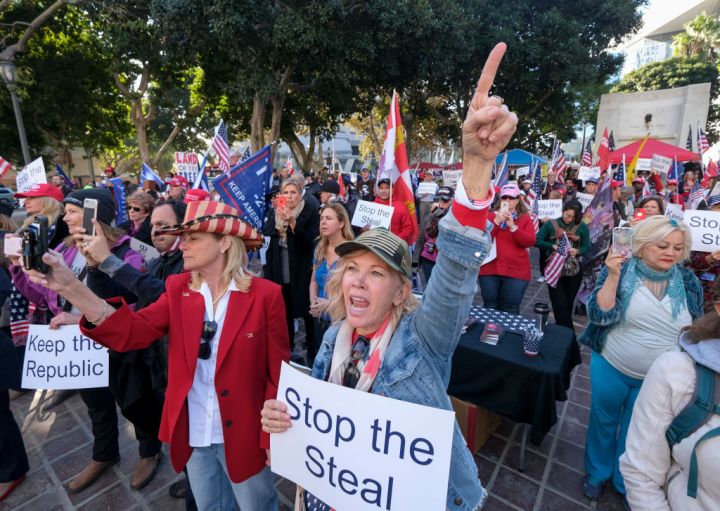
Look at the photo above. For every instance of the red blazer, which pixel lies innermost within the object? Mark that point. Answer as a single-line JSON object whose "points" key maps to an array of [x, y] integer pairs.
{"points": [[253, 343]]}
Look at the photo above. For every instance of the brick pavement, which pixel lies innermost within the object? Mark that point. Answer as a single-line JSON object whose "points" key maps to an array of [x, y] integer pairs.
{"points": [[59, 444]]}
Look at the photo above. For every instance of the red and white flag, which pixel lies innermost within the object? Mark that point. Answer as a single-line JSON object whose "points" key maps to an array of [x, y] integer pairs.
{"points": [[554, 266], [711, 171], [5, 167], [603, 152], [394, 163]]}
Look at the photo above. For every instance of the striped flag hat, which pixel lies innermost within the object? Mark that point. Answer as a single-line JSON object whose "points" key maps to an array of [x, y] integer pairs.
{"points": [[218, 218]]}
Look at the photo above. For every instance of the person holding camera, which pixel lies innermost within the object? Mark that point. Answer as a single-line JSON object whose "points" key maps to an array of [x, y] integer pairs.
{"points": [[99, 401], [425, 253]]}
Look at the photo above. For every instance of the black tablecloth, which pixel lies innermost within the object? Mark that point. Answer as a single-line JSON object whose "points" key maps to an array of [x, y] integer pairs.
{"points": [[503, 380]]}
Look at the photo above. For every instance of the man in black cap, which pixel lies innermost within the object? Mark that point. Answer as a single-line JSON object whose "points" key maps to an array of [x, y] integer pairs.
{"points": [[425, 252], [329, 191], [365, 186]]}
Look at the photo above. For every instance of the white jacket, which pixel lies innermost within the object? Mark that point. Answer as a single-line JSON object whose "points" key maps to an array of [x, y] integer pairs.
{"points": [[655, 478]]}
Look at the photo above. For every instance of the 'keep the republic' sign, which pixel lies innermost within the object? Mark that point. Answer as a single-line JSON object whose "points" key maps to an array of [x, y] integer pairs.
{"points": [[357, 451]]}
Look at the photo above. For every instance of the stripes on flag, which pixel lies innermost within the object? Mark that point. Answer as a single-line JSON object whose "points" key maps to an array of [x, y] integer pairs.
{"points": [[587, 155], [501, 174], [695, 197], [703, 144], [558, 163], [534, 194], [220, 145], [5, 167], [554, 266]]}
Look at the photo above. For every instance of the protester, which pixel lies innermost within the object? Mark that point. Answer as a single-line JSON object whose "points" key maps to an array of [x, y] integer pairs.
{"points": [[636, 312], [212, 405], [59, 182], [400, 221], [194, 194], [504, 279], [177, 187], [638, 185], [570, 224], [652, 205], [334, 229], [551, 184], [381, 334], [426, 199], [425, 253], [659, 474], [366, 186], [619, 206], [139, 206], [591, 186], [627, 197], [329, 191], [671, 191], [46, 200], [293, 231]]}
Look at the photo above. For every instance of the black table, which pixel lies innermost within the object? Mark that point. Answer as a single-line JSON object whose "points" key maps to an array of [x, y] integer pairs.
{"points": [[503, 380]]}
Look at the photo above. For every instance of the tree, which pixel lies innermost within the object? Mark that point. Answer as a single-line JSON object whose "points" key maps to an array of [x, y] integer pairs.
{"points": [[700, 37]]}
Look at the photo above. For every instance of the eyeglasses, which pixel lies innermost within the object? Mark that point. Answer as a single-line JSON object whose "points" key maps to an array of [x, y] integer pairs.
{"points": [[507, 197], [445, 200], [135, 209], [208, 332], [359, 351]]}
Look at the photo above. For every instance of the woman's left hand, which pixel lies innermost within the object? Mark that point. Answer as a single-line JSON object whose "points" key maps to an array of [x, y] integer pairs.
{"points": [[64, 318], [96, 248], [317, 307], [510, 221], [58, 278]]}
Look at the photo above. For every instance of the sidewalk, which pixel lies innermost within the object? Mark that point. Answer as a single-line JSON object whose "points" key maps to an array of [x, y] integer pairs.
{"points": [[59, 445]]}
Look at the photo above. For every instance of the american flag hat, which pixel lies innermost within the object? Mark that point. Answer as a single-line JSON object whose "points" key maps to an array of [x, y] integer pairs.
{"points": [[218, 218]]}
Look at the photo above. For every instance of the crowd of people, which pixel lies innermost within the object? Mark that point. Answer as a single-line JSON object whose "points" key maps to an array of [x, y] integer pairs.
{"points": [[177, 327]]}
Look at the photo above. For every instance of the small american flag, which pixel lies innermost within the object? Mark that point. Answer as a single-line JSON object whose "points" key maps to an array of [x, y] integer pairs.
{"points": [[666, 202], [711, 171], [558, 165], [587, 155], [220, 145], [534, 196], [554, 266], [245, 155], [5, 167], [703, 144], [501, 174], [290, 167], [695, 197], [688, 142]]}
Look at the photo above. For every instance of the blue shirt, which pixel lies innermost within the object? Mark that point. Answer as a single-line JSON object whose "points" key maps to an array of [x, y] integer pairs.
{"points": [[321, 275]]}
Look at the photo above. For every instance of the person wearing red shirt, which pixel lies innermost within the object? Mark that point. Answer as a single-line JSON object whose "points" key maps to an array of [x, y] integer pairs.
{"points": [[400, 223], [504, 279]]}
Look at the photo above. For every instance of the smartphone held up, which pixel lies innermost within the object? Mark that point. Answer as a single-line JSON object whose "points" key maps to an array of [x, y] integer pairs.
{"points": [[622, 241], [35, 244]]}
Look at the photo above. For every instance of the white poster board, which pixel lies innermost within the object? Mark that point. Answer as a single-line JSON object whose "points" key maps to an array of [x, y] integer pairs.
{"points": [[32, 174], [450, 177], [674, 211], [358, 451], [551, 208], [522, 171], [372, 214], [63, 359], [187, 165], [586, 173], [705, 229], [147, 251], [426, 188], [584, 198], [660, 164]]}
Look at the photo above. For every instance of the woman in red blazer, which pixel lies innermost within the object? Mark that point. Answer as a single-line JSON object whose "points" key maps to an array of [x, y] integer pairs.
{"points": [[226, 342]]}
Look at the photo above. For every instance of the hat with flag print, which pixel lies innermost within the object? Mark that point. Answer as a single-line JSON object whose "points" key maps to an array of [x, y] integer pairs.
{"points": [[218, 218], [384, 244]]}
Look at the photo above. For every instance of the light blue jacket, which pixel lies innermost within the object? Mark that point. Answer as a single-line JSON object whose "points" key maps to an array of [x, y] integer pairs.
{"points": [[416, 366]]}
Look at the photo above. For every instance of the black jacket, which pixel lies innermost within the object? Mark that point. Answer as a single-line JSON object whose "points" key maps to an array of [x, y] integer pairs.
{"points": [[144, 234]]}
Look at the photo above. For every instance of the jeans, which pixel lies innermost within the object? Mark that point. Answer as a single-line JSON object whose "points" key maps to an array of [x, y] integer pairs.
{"points": [[613, 397], [502, 293], [562, 297], [213, 490], [427, 267]]}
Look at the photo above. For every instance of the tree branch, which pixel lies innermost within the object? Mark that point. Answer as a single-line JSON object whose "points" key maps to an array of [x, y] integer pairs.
{"points": [[4, 4], [20, 46], [169, 140], [124, 90], [536, 106]]}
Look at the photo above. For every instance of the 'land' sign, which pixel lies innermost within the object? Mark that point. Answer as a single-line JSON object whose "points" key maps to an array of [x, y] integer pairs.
{"points": [[63, 359], [358, 451], [705, 229], [372, 214]]}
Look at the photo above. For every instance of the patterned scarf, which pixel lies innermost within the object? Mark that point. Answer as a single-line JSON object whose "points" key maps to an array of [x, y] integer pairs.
{"points": [[281, 224], [638, 270]]}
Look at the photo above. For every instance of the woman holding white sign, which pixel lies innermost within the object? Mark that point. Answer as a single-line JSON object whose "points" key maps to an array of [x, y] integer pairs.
{"points": [[382, 341]]}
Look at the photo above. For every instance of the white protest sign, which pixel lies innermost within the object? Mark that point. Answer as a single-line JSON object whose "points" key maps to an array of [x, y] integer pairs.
{"points": [[63, 359], [705, 229], [147, 251], [263, 250], [357, 451], [643, 164], [660, 164], [551, 208], [372, 214], [586, 173], [674, 211], [427, 188], [450, 177], [32, 174], [584, 198], [522, 171], [187, 165]]}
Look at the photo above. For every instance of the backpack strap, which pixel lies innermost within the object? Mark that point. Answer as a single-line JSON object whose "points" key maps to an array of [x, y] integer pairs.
{"points": [[556, 227], [693, 472]]}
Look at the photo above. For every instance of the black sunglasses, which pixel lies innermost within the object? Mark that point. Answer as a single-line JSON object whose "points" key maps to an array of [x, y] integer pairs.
{"points": [[359, 352], [135, 209], [208, 332]]}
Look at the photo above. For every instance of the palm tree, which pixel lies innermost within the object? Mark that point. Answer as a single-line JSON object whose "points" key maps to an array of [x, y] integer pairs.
{"points": [[701, 37]]}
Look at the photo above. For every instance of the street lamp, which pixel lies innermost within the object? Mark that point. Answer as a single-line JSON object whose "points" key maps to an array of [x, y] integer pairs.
{"points": [[8, 71]]}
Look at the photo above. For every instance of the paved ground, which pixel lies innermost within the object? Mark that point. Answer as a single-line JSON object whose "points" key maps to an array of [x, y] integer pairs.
{"points": [[59, 445]]}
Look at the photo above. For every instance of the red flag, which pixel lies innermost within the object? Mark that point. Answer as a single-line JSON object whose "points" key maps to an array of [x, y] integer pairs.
{"points": [[394, 163], [5, 167], [603, 152], [711, 171], [341, 182]]}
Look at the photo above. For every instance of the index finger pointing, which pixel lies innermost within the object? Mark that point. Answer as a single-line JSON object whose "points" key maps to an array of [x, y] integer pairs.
{"points": [[487, 77]]}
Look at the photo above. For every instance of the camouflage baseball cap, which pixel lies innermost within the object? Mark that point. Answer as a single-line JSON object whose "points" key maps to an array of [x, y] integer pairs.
{"points": [[384, 244]]}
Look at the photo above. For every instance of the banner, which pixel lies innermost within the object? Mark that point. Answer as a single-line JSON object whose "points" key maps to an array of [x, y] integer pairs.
{"points": [[118, 189], [187, 165], [357, 451], [427, 188], [32, 174], [660, 164], [674, 211], [450, 177], [599, 218], [585, 199], [705, 228], [63, 359], [245, 185], [372, 214], [551, 208], [586, 173], [146, 173]]}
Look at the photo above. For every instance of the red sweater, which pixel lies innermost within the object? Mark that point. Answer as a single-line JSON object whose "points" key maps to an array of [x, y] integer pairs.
{"points": [[513, 258], [400, 223]]}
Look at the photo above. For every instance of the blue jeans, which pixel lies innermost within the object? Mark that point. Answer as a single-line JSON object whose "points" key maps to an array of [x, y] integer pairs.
{"points": [[214, 491], [613, 397], [502, 293]]}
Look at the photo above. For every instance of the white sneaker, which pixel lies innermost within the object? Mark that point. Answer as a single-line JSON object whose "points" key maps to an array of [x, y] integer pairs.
{"points": [[541, 279]]}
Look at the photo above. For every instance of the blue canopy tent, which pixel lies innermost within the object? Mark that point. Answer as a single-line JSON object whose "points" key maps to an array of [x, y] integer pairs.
{"points": [[520, 157]]}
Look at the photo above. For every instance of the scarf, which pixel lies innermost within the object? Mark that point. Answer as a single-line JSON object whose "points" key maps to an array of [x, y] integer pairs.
{"points": [[638, 270], [342, 354], [281, 224]]}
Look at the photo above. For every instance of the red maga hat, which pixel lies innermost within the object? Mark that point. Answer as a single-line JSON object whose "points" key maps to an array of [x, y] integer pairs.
{"points": [[195, 194], [179, 181], [42, 190]]}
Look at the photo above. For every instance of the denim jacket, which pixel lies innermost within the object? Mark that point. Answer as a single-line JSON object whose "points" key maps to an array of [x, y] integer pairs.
{"points": [[416, 366]]}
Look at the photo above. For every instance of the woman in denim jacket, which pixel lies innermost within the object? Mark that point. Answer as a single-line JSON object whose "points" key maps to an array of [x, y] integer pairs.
{"points": [[381, 340]]}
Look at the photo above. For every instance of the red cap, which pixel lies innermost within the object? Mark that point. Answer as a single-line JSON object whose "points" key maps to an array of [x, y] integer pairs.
{"points": [[195, 194], [42, 190], [616, 184], [179, 181], [672, 181]]}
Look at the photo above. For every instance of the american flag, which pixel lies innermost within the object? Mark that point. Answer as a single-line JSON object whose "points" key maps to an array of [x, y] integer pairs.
{"points": [[688, 143], [534, 196], [5, 167], [587, 155], [220, 145], [666, 202], [559, 164], [554, 266], [703, 144], [501, 174], [312, 503], [290, 167], [695, 197], [245, 155]]}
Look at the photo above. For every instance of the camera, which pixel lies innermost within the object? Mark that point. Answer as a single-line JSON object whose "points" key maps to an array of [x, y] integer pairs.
{"points": [[35, 244]]}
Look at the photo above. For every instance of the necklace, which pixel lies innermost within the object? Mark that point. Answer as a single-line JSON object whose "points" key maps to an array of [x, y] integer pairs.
{"points": [[216, 300]]}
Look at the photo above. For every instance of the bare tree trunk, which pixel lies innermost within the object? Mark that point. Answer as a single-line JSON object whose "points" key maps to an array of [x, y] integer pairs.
{"points": [[257, 123], [166, 145], [277, 111], [373, 136], [307, 164]]}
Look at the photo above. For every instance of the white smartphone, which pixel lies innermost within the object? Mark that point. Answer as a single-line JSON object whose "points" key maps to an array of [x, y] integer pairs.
{"points": [[13, 246], [504, 207], [89, 214]]}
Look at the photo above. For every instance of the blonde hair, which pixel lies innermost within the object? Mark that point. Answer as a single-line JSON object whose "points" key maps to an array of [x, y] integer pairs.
{"points": [[235, 266], [656, 228], [51, 208], [336, 301], [346, 231], [297, 181]]}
